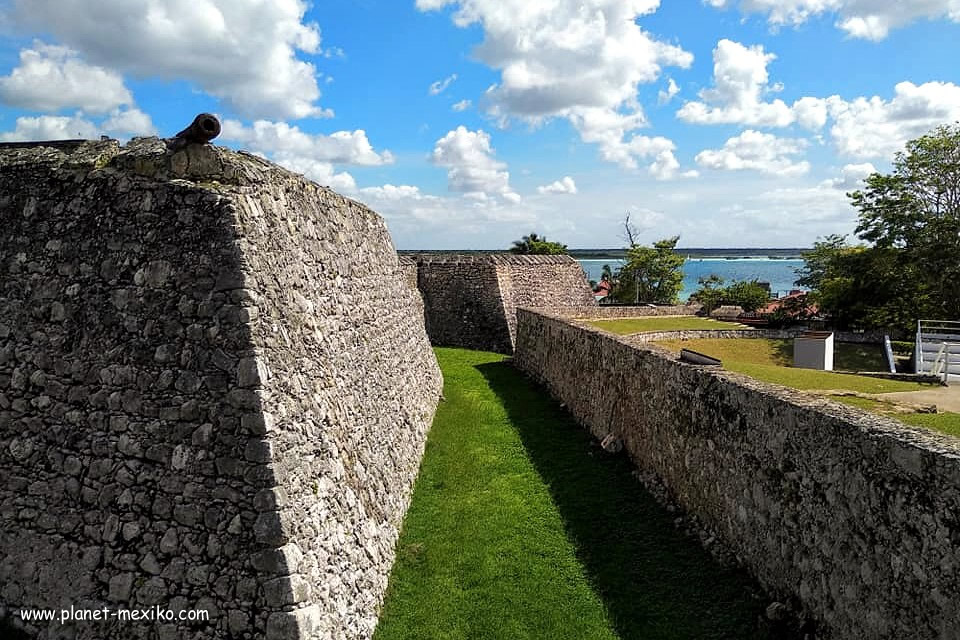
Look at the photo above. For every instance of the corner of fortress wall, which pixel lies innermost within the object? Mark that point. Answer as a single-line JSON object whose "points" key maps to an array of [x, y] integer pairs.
{"points": [[215, 390], [471, 300]]}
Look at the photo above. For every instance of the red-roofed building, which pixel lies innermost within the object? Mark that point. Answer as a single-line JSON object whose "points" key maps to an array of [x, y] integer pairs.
{"points": [[793, 301], [603, 290]]}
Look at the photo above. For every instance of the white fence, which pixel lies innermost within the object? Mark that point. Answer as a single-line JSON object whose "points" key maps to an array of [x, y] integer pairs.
{"points": [[937, 350]]}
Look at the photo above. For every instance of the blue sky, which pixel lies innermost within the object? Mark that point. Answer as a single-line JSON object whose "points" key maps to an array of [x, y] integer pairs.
{"points": [[470, 123]]}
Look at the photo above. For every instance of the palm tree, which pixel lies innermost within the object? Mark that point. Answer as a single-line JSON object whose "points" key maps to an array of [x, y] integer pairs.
{"points": [[525, 245]]}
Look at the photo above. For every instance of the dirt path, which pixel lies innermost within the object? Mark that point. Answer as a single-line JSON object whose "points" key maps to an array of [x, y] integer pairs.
{"points": [[946, 398]]}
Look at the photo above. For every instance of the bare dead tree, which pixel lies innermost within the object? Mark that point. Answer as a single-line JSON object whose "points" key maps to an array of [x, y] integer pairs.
{"points": [[630, 231]]}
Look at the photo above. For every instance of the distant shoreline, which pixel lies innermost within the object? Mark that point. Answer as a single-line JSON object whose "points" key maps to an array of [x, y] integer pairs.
{"points": [[616, 254]]}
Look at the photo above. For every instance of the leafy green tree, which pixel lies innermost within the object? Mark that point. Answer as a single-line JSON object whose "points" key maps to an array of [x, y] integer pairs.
{"points": [[651, 274], [859, 286], [910, 219], [537, 245], [916, 210], [748, 294], [710, 293]]}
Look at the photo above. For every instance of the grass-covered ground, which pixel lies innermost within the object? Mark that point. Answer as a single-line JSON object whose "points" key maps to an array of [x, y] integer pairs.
{"points": [[946, 422], [624, 326], [769, 360], [521, 527]]}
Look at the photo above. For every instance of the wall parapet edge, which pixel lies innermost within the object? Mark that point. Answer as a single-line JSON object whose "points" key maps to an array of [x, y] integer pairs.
{"points": [[853, 514]]}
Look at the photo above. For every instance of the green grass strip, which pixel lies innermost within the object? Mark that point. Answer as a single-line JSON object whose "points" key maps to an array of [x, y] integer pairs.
{"points": [[946, 422], [627, 326], [770, 360], [522, 527]]}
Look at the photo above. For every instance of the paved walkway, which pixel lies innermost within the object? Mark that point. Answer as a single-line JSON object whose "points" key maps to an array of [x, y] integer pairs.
{"points": [[946, 398]]}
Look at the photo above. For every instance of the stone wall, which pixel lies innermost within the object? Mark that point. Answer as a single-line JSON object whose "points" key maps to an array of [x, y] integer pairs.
{"points": [[776, 334], [408, 266], [854, 515], [214, 394], [609, 311], [471, 299]]}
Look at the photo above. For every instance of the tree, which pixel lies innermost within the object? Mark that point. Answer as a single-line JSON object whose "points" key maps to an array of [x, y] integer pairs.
{"points": [[537, 245], [859, 286], [651, 274], [910, 219], [915, 212], [748, 294], [710, 293]]}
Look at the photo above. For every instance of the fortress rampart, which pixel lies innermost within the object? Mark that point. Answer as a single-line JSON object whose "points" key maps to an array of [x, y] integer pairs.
{"points": [[215, 389], [854, 515], [471, 301]]}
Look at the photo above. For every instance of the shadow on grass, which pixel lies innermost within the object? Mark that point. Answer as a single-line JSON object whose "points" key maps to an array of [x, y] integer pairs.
{"points": [[655, 582], [783, 352], [847, 356]]}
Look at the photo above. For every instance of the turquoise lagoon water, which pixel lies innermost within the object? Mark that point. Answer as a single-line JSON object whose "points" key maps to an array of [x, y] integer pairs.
{"points": [[781, 274]]}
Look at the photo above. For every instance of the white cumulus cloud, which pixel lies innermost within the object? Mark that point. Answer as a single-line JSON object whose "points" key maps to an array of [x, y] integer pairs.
{"points": [[851, 177], [611, 131], [577, 59], [50, 78], [564, 185], [740, 85], [472, 168], [121, 123], [867, 19], [463, 105], [129, 122], [860, 128], [758, 151], [878, 128], [313, 155], [241, 51], [341, 147]]}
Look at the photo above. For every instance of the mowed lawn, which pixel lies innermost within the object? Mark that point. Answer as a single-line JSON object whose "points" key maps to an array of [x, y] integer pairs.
{"points": [[521, 527], [625, 326], [770, 360], [945, 422]]}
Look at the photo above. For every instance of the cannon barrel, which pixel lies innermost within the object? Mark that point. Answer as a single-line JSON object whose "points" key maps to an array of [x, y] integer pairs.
{"points": [[204, 128]]}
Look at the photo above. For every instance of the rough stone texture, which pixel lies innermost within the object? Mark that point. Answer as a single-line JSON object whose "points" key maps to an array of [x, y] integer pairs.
{"points": [[775, 334], [471, 300], [609, 311], [214, 393], [855, 515], [408, 266]]}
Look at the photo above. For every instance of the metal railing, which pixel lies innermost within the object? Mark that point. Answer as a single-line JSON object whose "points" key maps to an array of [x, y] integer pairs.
{"points": [[943, 335]]}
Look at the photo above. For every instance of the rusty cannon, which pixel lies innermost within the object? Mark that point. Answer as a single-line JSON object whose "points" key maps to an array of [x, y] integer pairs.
{"points": [[204, 128]]}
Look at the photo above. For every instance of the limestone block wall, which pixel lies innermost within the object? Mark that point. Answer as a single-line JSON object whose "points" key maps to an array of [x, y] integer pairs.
{"points": [[540, 282], [408, 266], [471, 299], [463, 306], [609, 311], [854, 515], [214, 394]]}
